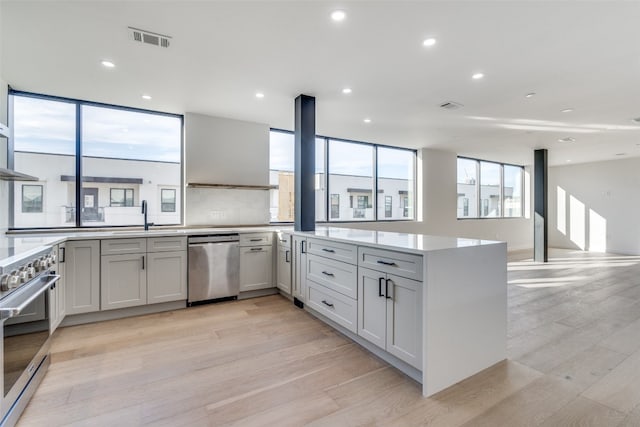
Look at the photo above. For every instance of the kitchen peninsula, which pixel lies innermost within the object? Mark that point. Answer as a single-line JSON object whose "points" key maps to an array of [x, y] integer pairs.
{"points": [[432, 306]]}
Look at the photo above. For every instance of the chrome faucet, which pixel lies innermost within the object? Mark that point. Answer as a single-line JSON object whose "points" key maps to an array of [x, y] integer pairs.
{"points": [[144, 212]]}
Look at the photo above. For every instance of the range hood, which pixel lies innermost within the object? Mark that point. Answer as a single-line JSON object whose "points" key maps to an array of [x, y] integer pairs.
{"points": [[8, 174]]}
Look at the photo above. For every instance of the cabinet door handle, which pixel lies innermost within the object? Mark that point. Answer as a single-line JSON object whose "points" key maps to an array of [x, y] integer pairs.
{"points": [[256, 249], [328, 304], [62, 254], [302, 247], [143, 262], [392, 264], [331, 251], [328, 274], [255, 240], [286, 256], [380, 294], [386, 289]]}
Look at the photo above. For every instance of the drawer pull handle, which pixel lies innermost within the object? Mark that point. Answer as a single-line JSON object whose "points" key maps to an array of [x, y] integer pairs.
{"points": [[327, 273], [389, 263], [331, 251], [256, 249], [255, 240], [286, 256], [328, 304], [386, 289]]}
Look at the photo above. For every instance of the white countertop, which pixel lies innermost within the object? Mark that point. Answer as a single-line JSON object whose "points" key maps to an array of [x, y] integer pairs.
{"points": [[17, 246], [406, 242]]}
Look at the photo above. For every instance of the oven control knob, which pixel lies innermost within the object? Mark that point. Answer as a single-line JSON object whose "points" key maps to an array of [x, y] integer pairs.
{"points": [[38, 265], [31, 272], [4, 282], [22, 276], [14, 280], [53, 257]]}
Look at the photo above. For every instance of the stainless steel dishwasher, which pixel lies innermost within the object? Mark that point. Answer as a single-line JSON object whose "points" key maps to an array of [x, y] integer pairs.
{"points": [[214, 268]]}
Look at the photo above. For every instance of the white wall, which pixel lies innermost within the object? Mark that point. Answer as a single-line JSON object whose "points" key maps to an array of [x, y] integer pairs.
{"points": [[594, 206], [438, 189], [226, 151]]}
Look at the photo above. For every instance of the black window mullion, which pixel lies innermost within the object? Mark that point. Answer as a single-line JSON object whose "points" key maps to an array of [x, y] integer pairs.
{"points": [[375, 183], [327, 197], [78, 165]]}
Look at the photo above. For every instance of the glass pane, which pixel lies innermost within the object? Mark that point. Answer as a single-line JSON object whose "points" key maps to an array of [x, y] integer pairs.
{"points": [[32, 198], [396, 174], [467, 188], [351, 177], [141, 151], [490, 189], [117, 197], [281, 166], [44, 146], [512, 191], [168, 200], [321, 194]]}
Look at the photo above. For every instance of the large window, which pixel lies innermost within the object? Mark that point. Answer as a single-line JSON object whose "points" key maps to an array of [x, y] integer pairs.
{"points": [[124, 155], [489, 189], [363, 182]]}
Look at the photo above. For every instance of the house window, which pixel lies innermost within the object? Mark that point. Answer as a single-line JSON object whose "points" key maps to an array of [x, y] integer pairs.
{"points": [[388, 206], [32, 198], [465, 206], [404, 205], [168, 200], [335, 206], [121, 197]]}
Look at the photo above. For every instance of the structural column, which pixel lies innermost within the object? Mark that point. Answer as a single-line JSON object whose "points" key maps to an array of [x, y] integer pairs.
{"points": [[540, 206], [305, 163]]}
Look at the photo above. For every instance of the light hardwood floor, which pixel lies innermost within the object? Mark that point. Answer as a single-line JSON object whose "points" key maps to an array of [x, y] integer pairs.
{"points": [[574, 360]]}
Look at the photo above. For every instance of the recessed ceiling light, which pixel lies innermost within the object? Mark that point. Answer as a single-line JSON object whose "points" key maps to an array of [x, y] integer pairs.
{"points": [[567, 139], [108, 64], [346, 90], [259, 95], [530, 95], [367, 120], [338, 15], [567, 110], [429, 42], [568, 161], [147, 97], [477, 76]]}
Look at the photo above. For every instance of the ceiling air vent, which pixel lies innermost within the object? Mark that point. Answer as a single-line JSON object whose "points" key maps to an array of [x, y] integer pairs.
{"points": [[148, 37], [450, 105]]}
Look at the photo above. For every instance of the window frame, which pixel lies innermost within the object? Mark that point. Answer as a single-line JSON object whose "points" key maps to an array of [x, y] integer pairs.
{"points": [[479, 204], [79, 103], [375, 194], [41, 186]]}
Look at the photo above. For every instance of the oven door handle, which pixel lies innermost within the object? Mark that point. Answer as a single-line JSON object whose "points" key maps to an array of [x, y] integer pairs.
{"points": [[8, 312]]}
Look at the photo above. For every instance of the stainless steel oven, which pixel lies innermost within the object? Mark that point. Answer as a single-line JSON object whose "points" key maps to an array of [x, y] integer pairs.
{"points": [[25, 319]]}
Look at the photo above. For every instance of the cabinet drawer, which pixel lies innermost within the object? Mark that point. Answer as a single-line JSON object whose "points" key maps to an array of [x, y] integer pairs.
{"points": [[337, 307], [284, 240], [256, 239], [339, 276], [334, 250], [123, 246], [166, 244], [399, 263]]}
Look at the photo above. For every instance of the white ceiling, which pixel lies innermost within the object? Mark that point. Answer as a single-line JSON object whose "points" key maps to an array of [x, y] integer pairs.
{"points": [[580, 55]]}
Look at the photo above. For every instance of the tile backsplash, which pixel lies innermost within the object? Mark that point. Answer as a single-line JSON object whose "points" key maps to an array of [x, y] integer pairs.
{"points": [[213, 207]]}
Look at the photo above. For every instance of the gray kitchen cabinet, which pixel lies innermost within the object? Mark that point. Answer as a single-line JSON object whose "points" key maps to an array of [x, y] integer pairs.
{"points": [[299, 268], [166, 276], [149, 274], [123, 281], [82, 276], [283, 264], [256, 268], [389, 314]]}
